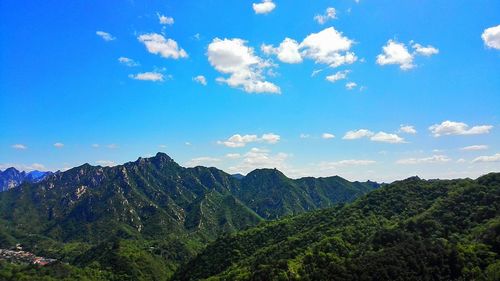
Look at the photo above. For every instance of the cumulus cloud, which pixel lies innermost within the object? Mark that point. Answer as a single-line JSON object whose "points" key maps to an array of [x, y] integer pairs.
{"points": [[474, 147], [238, 140], [287, 51], [260, 158], [157, 44], [407, 129], [329, 14], [304, 136], [447, 128], [397, 53], [361, 133], [425, 160], [492, 158], [491, 37], [165, 20], [265, 7], [378, 137], [245, 69], [327, 136], [202, 161], [200, 79], [105, 163], [386, 137], [339, 75], [350, 85], [329, 47], [58, 145], [105, 36], [425, 51], [148, 76], [270, 138], [127, 61], [19, 146]]}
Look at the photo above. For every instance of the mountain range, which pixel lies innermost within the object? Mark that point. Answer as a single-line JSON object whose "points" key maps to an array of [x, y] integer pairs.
{"points": [[11, 177], [152, 219], [158, 201]]}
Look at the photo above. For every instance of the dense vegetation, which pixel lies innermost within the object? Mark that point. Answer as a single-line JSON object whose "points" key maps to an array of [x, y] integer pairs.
{"points": [[409, 230], [141, 220]]}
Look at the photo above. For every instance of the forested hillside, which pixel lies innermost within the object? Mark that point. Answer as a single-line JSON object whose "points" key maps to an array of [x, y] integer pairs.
{"points": [[147, 217], [409, 230]]}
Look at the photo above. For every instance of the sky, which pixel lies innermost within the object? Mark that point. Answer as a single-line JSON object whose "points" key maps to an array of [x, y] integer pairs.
{"points": [[378, 90]]}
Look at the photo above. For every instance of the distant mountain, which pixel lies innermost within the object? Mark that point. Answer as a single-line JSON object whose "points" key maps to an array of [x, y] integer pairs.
{"points": [[408, 230], [11, 178], [155, 200]]}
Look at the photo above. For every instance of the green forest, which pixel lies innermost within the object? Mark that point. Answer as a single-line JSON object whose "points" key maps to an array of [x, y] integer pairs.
{"points": [[124, 226]]}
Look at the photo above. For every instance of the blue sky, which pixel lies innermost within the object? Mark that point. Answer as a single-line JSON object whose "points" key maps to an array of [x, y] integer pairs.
{"points": [[364, 89]]}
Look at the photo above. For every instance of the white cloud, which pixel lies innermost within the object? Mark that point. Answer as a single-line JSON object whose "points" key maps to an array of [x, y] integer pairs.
{"points": [[287, 51], [461, 160], [304, 136], [397, 53], [316, 72], [127, 61], [260, 158], [165, 47], [265, 7], [200, 79], [330, 13], [407, 129], [491, 37], [362, 133], [425, 160], [425, 51], [162, 146], [386, 137], [474, 147], [105, 163], [95, 145], [58, 145], [328, 46], [165, 20], [19, 146], [458, 128], [202, 161], [23, 167], [105, 36], [238, 140], [340, 75], [112, 146], [378, 137], [245, 69], [350, 85], [147, 76], [492, 158], [270, 138], [327, 136]]}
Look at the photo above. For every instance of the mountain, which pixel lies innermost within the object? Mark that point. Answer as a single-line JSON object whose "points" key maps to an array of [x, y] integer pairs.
{"points": [[11, 178], [408, 230], [154, 208]]}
